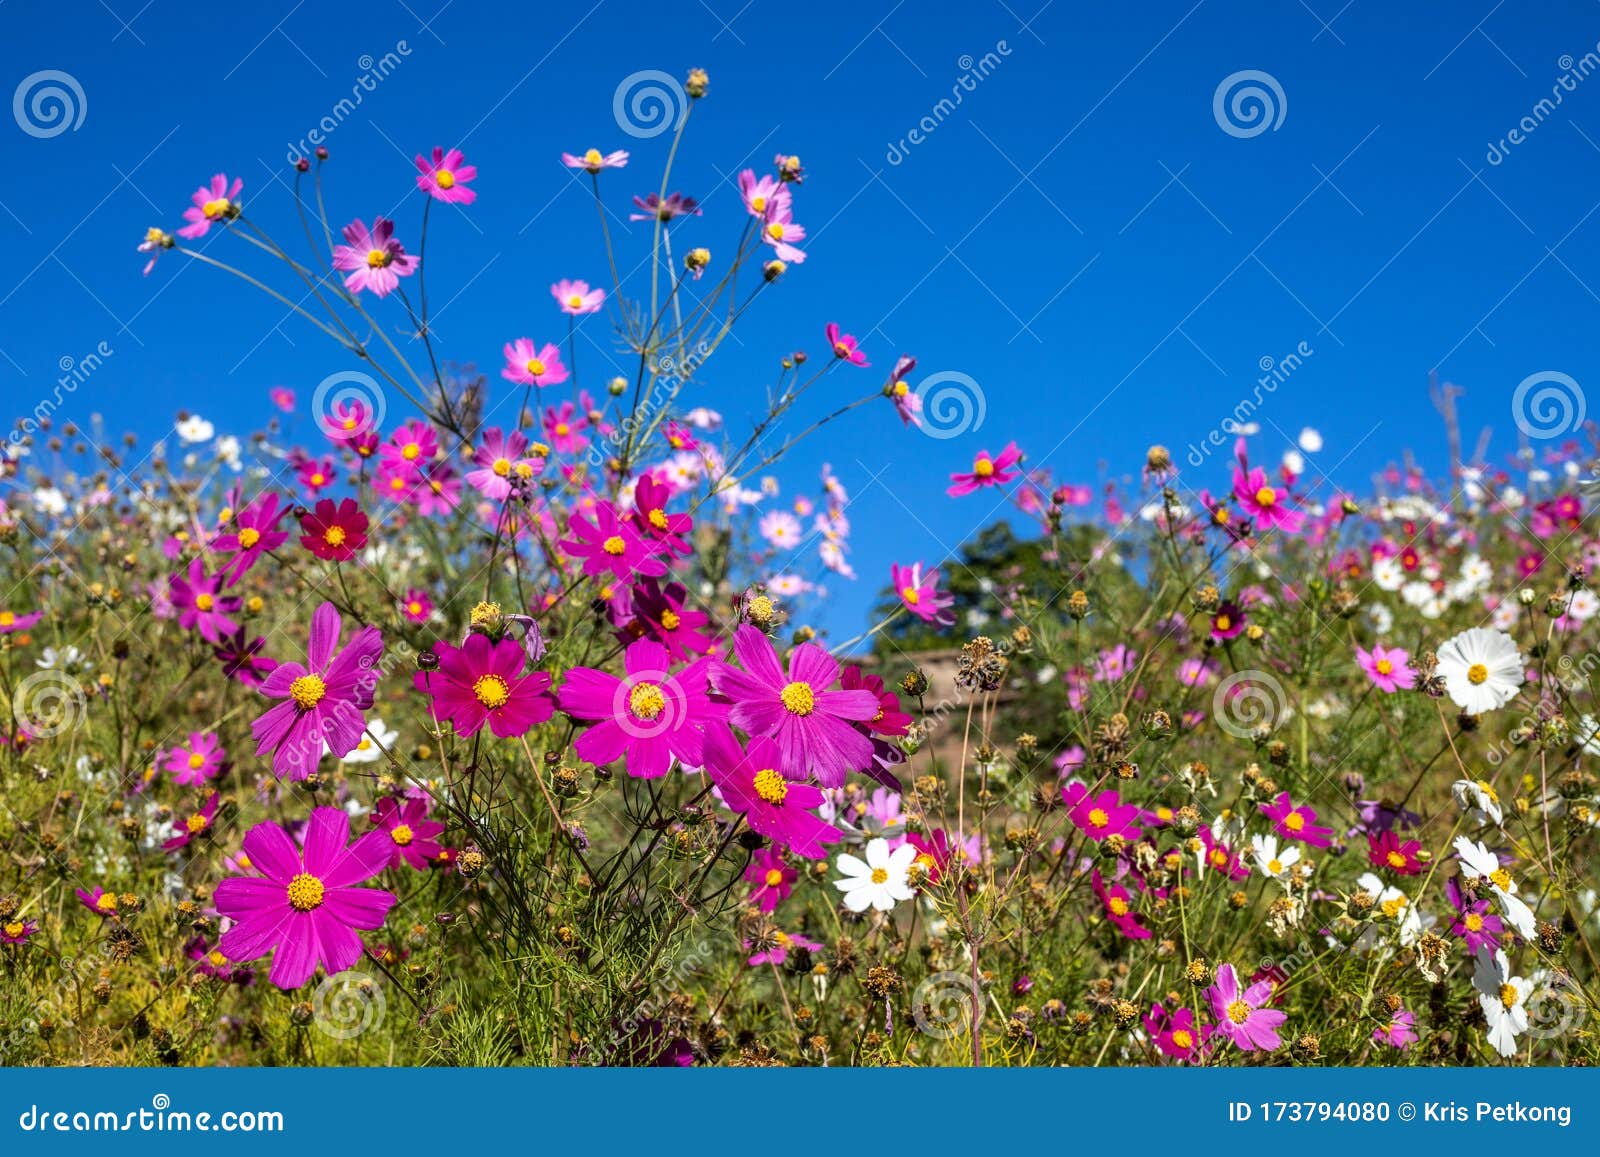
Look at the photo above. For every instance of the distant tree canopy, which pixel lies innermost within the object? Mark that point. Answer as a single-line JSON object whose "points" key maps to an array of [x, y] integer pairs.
{"points": [[997, 569]]}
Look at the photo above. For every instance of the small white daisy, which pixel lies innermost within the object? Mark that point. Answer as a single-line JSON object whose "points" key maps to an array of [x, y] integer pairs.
{"points": [[1482, 669], [880, 880]]}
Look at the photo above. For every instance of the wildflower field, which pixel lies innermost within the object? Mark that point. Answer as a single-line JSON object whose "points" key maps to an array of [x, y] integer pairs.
{"points": [[472, 717]]}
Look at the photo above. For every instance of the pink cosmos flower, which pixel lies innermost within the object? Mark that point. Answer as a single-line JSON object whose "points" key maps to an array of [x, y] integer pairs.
{"points": [[650, 515], [323, 699], [194, 826], [1100, 816], [564, 427], [907, 402], [663, 613], [777, 952], [658, 208], [1387, 668], [771, 879], [611, 545], [1216, 856], [200, 607], [844, 345], [482, 682], [445, 177], [1400, 1032], [762, 195], [782, 231], [201, 759], [373, 259], [283, 398], [215, 202], [255, 532], [1388, 850], [593, 161], [17, 932], [987, 471], [417, 607], [439, 492], [334, 533], [12, 621], [649, 717], [1175, 1033], [316, 475], [305, 906], [919, 593], [528, 365], [502, 459], [1297, 823], [409, 449], [243, 660], [755, 783], [810, 721], [413, 837], [1477, 923], [1239, 1014], [98, 901], [576, 298], [1263, 502], [1119, 908], [1228, 622]]}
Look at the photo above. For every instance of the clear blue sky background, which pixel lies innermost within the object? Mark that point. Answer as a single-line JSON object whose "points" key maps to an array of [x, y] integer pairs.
{"points": [[1079, 236]]}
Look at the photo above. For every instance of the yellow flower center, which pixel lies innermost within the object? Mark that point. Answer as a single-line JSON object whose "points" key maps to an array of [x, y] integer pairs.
{"points": [[204, 602], [249, 536], [657, 518], [1508, 995], [1488, 791], [1396, 859], [562, 429], [593, 157], [1473, 921], [1477, 674], [1393, 908], [107, 902], [911, 595], [880, 875], [7, 618], [773, 877], [1294, 821], [402, 834], [196, 761], [318, 478], [305, 892], [217, 958], [775, 231], [445, 179], [307, 691], [575, 302], [502, 467], [535, 367], [377, 258], [14, 928], [414, 607], [1098, 818], [798, 698], [397, 483], [1118, 906], [410, 451], [771, 786], [1238, 1012], [1266, 496], [333, 536], [646, 701], [1501, 878], [983, 468], [1383, 666], [1223, 622], [614, 545], [1183, 1038], [758, 203], [491, 691], [196, 823], [670, 620], [216, 207], [1274, 866]]}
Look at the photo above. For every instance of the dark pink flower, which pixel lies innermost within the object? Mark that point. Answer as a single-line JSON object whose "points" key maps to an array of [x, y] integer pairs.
{"points": [[201, 759], [1297, 823], [754, 783], [255, 532], [373, 260], [649, 716], [987, 470], [1100, 816], [445, 176], [919, 593], [611, 545], [1239, 1014], [844, 345], [215, 202], [413, 837], [482, 682], [199, 605], [196, 825]]}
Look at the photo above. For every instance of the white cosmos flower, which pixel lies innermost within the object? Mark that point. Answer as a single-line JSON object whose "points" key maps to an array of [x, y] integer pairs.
{"points": [[1270, 860], [1388, 574], [195, 429], [1583, 605], [1479, 861], [1505, 615], [1503, 998], [1294, 463], [879, 881], [367, 751], [66, 659], [1382, 618], [1394, 904], [1482, 669], [1478, 797], [49, 500], [1310, 441]]}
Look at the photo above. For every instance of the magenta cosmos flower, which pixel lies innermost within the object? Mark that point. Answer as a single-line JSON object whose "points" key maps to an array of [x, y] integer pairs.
{"points": [[1297, 823], [663, 613], [649, 716], [611, 545], [192, 764], [1387, 850], [482, 682], [1119, 908], [413, 837], [771, 879], [373, 259], [255, 532], [810, 721], [1386, 667], [323, 700], [502, 459], [1239, 1014], [530, 365], [1175, 1033], [918, 592], [199, 605], [12, 621], [650, 499], [753, 783], [195, 826], [1100, 816], [1263, 502], [987, 470], [576, 298], [777, 949], [445, 177], [215, 202], [305, 906], [593, 160], [844, 345]]}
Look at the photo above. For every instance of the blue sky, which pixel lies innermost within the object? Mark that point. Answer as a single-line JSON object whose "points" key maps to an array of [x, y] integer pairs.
{"points": [[1080, 236]]}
